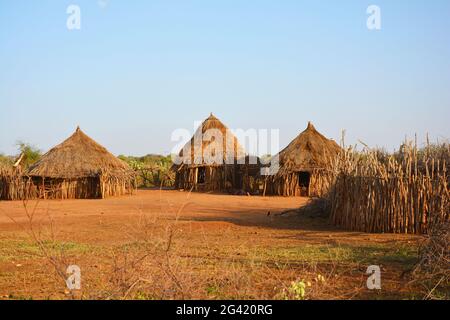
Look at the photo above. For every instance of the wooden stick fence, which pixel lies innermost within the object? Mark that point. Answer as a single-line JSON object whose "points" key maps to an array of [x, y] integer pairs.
{"points": [[401, 193], [13, 186]]}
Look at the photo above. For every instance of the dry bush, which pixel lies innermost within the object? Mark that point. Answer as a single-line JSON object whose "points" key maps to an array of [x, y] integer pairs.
{"points": [[144, 264], [42, 233], [432, 270], [146, 267], [155, 265], [151, 262]]}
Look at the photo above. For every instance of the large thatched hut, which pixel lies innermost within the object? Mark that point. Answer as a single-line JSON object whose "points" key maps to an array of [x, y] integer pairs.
{"points": [[209, 161], [80, 168], [304, 165]]}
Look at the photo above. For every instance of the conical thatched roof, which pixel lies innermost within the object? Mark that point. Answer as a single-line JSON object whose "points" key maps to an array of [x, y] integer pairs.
{"points": [[199, 152], [309, 151], [77, 157]]}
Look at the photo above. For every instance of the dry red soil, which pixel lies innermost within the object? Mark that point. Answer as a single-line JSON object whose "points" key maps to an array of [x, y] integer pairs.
{"points": [[211, 246]]}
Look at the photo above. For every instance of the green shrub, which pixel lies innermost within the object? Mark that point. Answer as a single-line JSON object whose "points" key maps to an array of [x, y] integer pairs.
{"points": [[151, 170]]}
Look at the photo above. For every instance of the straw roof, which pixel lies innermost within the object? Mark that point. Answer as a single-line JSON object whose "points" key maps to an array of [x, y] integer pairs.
{"points": [[78, 157], [309, 151], [222, 149]]}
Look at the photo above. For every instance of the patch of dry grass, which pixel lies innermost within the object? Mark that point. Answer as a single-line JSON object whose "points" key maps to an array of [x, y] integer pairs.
{"points": [[160, 256]]}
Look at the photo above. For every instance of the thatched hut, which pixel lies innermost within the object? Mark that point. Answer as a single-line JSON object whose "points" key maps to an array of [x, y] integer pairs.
{"points": [[304, 165], [209, 162], [80, 168]]}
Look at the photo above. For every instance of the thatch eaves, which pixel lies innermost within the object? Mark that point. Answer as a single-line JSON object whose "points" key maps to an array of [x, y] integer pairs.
{"points": [[228, 148], [78, 157], [309, 151]]}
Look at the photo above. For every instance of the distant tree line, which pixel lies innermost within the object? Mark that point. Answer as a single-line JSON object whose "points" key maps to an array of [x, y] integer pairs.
{"points": [[28, 154], [152, 170]]}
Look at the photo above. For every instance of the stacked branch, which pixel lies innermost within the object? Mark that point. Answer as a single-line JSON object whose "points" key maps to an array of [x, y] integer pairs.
{"points": [[13, 186], [400, 193], [432, 269]]}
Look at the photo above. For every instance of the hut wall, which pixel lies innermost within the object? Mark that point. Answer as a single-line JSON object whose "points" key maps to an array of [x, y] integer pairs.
{"points": [[320, 183], [217, 178], [115, 186], [283, 185], [288, 185], [83, 188]]}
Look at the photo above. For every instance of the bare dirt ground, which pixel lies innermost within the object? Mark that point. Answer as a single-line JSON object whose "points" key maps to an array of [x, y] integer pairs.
{"points": [[179, 245]]}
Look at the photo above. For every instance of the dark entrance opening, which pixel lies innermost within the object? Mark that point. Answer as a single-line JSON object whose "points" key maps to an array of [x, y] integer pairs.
{"points": [[303, 181], [201, 175]]}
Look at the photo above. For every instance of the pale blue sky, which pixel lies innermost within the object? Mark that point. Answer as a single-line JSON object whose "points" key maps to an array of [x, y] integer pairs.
{"points": [[137, 70]]}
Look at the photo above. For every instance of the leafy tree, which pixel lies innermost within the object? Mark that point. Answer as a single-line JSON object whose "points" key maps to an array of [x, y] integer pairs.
{"points": [[152, 170], [30, 152]]}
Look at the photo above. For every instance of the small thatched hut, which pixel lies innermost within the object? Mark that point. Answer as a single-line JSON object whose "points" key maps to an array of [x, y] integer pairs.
{"points": [[80, 168], [207, 163], [304, 165]]}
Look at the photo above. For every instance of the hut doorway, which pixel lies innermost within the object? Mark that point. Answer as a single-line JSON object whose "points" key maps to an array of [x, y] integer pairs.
{"points": [[201, 175], [304, 179]]}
